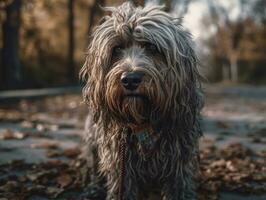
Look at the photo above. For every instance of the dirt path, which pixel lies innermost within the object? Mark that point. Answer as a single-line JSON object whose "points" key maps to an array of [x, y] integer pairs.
{"points": [[40, 144]]}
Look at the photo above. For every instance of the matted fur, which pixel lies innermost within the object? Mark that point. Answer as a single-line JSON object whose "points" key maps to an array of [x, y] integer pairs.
{"points": [[169, 102]]}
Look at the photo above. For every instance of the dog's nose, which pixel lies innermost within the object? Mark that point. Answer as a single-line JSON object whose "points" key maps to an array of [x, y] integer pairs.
{"points": [[131, 80]]}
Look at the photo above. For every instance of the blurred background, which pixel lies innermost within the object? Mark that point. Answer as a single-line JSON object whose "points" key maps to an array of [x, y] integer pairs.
{"points": [[42, 115], [43, 41]]}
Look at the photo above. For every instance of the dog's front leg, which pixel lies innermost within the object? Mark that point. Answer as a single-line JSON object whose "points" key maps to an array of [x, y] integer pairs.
{"points": [[130, 188], [179, 189]]}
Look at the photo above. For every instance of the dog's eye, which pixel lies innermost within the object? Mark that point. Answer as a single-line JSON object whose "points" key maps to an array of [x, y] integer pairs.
{"points": [[117, 50], [151, 47]]}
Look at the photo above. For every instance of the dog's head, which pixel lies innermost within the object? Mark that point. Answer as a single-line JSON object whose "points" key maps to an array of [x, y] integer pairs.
{"points": [[140, 67]]}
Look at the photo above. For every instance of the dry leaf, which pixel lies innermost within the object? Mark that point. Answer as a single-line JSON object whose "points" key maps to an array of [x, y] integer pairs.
{"points": [[45, 145], [72, 152], [64, 180]]}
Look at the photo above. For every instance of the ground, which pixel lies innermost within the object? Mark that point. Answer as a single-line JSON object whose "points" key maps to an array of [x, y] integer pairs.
{"points": [[40, 147]]}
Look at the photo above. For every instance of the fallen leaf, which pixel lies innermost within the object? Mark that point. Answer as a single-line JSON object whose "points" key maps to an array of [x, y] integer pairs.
{"points": [[64, 180], [222, 124], [53, 153], [45, 145], [6, 134], [72, 152], [27, 124]]}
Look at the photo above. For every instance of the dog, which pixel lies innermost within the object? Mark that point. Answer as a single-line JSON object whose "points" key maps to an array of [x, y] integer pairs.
{"points": [[143, 90]]}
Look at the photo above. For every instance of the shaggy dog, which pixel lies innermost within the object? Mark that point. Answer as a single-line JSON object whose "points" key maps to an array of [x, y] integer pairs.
{"points": [[143, 92]]}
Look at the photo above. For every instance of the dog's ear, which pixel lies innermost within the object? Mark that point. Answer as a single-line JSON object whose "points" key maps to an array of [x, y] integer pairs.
{"points": [[103, 19], [188, 99], [107, 12], [178, 21]]}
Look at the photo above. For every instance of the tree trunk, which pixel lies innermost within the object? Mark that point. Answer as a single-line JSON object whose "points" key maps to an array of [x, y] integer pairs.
{"points": [[94, 12], [226, 72], [71, 42], [167, 4], [1, 67], [138, 2], [234, 69], [11, 63]]}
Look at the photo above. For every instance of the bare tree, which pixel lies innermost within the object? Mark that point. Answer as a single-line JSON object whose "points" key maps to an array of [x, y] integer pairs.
{"points": [[71, 42], [230, 35], [10, 55], [94, 13], [178, 7], [138, 2]]}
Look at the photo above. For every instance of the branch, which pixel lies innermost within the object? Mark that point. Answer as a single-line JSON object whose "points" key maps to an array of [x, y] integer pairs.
{"points": [[180, 7]]}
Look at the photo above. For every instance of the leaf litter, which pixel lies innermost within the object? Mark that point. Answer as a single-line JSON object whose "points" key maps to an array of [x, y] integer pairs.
{"points": [[64, 175]]}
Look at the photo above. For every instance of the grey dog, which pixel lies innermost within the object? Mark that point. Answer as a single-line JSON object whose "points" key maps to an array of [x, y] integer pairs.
{"points": [[143, 88]]}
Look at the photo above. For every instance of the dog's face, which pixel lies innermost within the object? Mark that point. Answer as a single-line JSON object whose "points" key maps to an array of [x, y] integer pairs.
{"points": [[139, 62], [134, 81]]}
